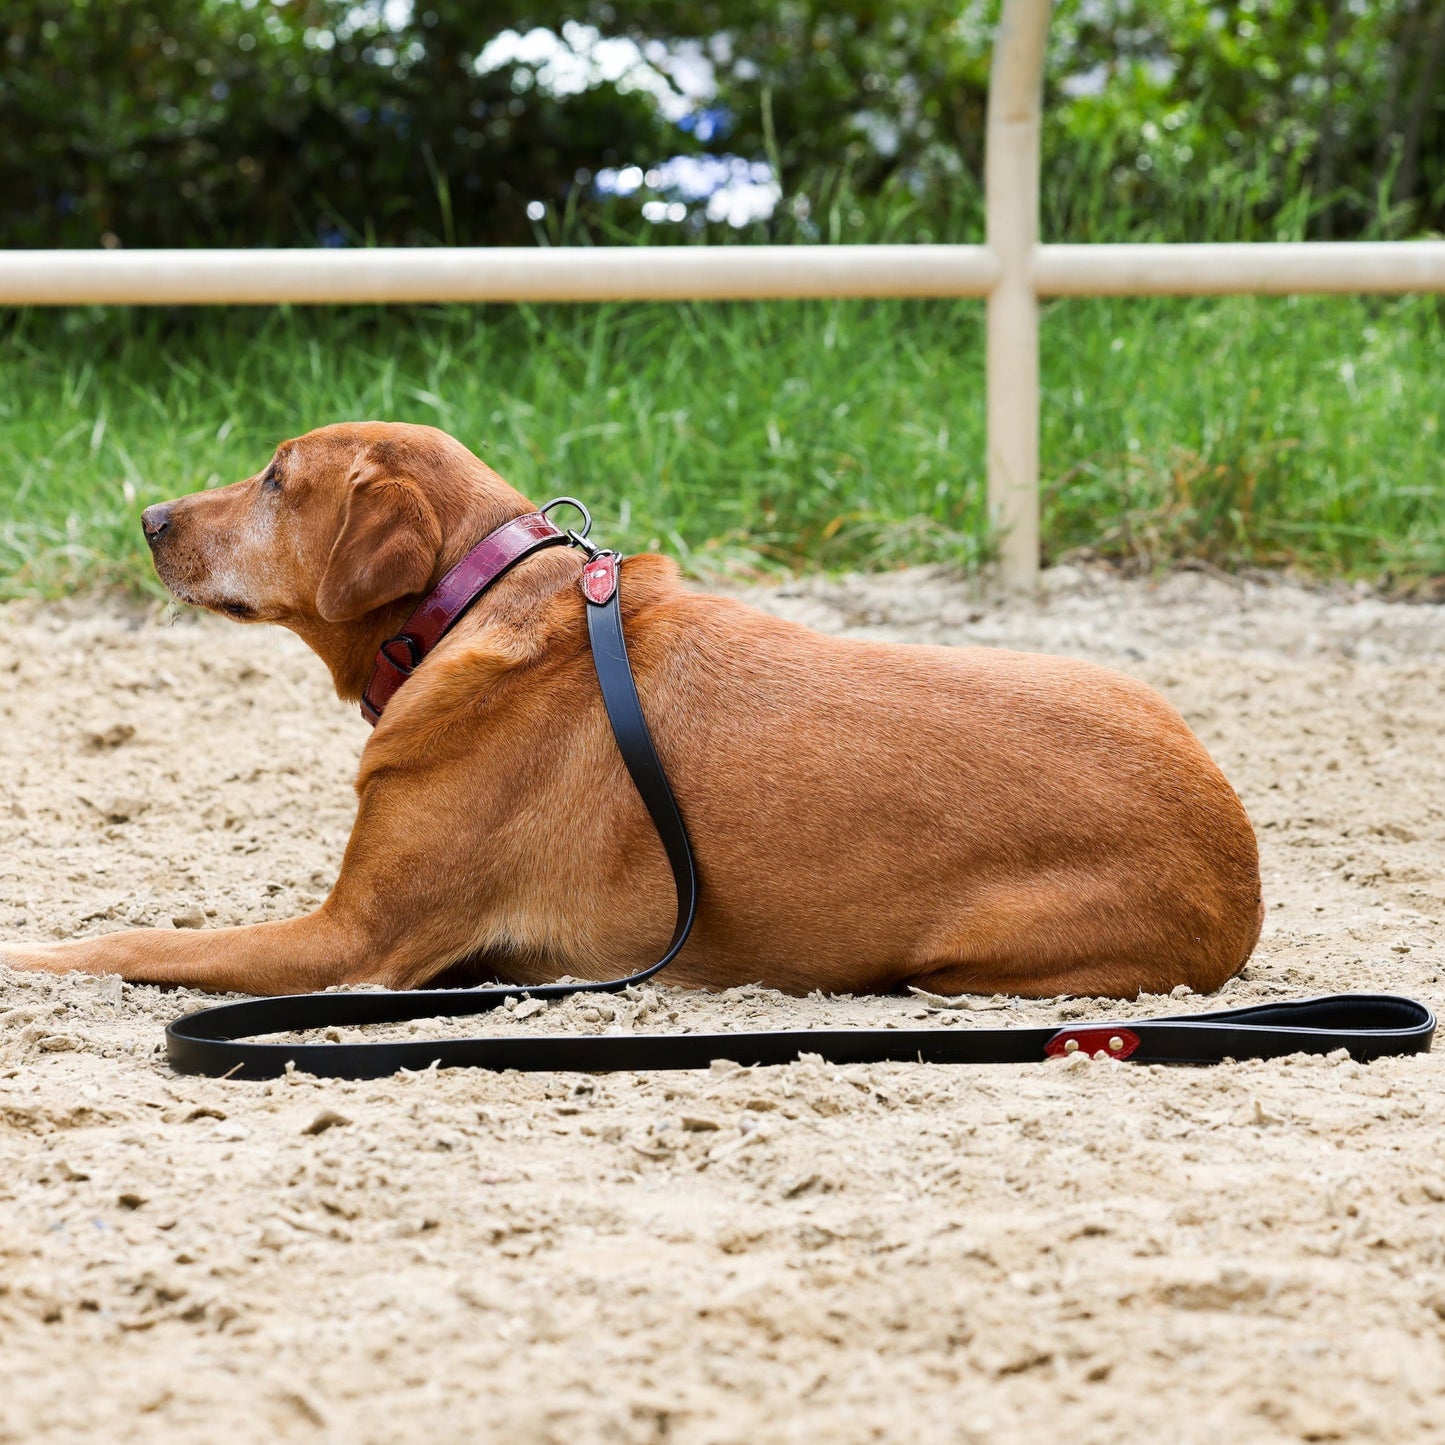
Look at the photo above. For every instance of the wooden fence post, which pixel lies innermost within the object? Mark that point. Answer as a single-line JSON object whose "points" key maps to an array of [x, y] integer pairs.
{"points": [[1011, 188]]}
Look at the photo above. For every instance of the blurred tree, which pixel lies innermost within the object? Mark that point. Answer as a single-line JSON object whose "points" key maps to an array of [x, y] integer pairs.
{"points": [[173, 123], [1318, 117], [293, 122], [1169, 117]]}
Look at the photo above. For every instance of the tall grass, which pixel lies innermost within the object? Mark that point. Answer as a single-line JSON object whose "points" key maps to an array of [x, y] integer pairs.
{"points": [[1298, 431]]}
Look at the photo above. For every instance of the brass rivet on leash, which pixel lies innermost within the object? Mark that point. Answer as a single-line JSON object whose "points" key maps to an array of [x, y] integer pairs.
{"points": [[1071, 1046], [1116, 1043]]}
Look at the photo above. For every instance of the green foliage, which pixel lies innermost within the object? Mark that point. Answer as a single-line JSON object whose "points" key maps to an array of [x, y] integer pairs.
{"points": [[1296, 432], [851, 102], [1164, 119], [176, 123], [285, 122], [1255, 120]]}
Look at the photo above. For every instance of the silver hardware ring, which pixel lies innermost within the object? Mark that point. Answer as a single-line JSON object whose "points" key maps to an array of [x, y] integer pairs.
{"points": [[571, 502]]}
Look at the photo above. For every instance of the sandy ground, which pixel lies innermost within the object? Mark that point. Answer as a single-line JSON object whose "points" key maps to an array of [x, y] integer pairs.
{"points": [[1078, 1250]]}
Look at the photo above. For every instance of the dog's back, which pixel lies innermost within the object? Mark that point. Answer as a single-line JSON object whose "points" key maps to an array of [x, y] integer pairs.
{"points": [[867, 815]]}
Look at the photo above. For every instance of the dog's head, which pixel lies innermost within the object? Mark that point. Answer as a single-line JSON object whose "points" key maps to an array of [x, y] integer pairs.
{"points": [[343, 522]]}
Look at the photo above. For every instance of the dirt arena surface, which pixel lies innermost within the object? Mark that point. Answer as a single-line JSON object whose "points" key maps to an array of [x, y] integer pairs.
{"points": [[1076, 1250]]}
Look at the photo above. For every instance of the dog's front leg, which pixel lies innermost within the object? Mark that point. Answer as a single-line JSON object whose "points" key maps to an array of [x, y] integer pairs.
{"points": [[295, 955], [391, 919]]}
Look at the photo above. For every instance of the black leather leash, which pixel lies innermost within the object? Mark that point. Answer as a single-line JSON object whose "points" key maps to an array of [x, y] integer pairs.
{"points": [[220, 1041]]}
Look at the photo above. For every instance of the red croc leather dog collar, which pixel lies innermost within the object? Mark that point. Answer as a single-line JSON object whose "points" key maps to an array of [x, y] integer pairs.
{"points": [[400, 656]]}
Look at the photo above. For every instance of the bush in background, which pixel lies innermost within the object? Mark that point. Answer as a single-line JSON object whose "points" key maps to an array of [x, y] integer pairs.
{"points": [[248, 122]]}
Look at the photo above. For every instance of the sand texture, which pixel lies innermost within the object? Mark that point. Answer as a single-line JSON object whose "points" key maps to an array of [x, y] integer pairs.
{"points": [[1076, 1250]]}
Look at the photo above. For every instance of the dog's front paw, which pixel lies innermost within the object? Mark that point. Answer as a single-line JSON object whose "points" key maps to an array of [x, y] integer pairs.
{"points": [[22, 957], [42, 957]]}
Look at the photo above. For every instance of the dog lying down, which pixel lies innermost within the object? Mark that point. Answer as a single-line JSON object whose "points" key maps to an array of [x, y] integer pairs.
{"points": [[864, 815]]}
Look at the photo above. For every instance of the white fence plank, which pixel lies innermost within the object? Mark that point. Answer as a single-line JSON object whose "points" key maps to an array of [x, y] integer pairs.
{"points": [[703, 273], [491, 273], [1277, 269]]}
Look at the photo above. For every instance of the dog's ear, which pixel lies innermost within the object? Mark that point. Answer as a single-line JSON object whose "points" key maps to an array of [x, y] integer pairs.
{"points": [[387, 546]]}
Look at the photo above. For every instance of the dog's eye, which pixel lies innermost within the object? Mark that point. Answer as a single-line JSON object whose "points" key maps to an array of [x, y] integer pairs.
{"points": [[271, 479]]}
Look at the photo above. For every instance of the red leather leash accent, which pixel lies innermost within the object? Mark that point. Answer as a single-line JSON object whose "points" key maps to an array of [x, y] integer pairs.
{"points": [[400, 656], [599, 578], [1113, 1041]]}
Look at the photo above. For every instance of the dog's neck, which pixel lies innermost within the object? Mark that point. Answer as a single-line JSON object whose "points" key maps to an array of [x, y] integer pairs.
{"points": [[350, 649]]}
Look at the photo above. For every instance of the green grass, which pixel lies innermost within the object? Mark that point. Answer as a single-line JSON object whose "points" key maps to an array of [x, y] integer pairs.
{"points": [[1301, 432]]}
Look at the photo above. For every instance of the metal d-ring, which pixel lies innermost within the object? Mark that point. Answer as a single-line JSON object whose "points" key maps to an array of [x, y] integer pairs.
{"points": [[571, 502]]}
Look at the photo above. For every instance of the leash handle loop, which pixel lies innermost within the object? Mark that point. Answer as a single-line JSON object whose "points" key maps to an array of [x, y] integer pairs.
{"points": [[214, 1041]]}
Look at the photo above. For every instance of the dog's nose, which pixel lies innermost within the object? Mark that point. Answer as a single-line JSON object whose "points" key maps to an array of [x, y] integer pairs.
{"points": [[155, 522]]}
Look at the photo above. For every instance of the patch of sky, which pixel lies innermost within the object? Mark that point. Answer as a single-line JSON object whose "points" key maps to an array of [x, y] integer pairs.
{"points": [[1085, 82], [679, 78], [735, 190], [393, 15]]}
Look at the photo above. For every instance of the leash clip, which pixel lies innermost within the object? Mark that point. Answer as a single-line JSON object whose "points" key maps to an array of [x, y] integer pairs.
{"points": [[574, 538]]}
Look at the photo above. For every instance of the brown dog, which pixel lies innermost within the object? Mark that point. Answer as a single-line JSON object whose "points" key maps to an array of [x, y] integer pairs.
{"points": [[864, 815]]}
